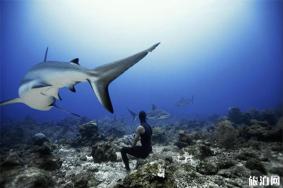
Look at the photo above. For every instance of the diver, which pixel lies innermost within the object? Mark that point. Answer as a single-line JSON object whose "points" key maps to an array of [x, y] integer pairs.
{"points": [[143, 133]]}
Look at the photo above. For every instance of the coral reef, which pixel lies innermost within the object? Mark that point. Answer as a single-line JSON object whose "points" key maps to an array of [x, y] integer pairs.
{"points": [[103, 152], [184, 139], [89, 134], [223, 152], [226, 134]]}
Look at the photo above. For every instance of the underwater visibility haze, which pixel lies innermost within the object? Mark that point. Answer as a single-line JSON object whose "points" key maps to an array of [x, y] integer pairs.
{"points": [[222, 53], [191, 89]]}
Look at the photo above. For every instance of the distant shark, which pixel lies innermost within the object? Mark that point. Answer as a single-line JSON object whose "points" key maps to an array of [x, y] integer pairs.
{"points": [[39, 89], [154, 114], [185, 101]]}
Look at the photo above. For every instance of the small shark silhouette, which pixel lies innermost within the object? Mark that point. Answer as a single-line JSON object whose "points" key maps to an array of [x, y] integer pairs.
{"points": [[155, 114], [39, 89], [185, 101]]}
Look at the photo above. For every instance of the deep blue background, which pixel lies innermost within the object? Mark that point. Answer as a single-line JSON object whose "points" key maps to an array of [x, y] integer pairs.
{"points": [[239, 63]]}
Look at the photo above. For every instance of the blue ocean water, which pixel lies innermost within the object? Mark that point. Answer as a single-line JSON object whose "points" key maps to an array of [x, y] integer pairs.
{"points": [[224, 53]]}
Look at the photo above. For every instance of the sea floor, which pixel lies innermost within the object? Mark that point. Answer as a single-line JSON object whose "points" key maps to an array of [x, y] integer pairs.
{"points": [[185, 154]]}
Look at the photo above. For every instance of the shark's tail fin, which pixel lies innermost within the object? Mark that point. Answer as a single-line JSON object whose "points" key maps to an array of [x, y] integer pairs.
{"points": [[102, 76], [133, 114], [10, 101]]}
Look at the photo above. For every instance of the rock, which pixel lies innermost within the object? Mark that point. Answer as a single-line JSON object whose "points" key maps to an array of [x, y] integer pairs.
{"points": [[277, 170], [184, 140], [169, 159], [68, 185], [48, 162], [83, 158], [207, 168], [89, 133], [262, 131], [39, 139], [205, 151], [226, 134], [114, 132], [255, 164], [158, 135], [234, 172], [225, 163], [43, 149], [245, 155], [31, 178], [149, 175], [43, 158], [235, 115], [12, 161], [103, 152], [81, 181]]}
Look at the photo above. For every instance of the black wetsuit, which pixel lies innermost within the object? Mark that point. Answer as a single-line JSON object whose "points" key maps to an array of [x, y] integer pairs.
{"points": [[139, 151]]}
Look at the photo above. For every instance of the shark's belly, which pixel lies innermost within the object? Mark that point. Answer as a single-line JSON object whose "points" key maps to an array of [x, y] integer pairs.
{"points": [[36, 100], [63, 79]]}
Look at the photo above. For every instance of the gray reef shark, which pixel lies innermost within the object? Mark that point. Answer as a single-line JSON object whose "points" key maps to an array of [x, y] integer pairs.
{"points": [[154, 114], [39, 88], [185, 101]]}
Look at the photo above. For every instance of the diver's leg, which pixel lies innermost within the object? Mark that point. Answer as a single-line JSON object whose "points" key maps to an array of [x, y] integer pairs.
{"points": [[136, 151], [125, 159]]}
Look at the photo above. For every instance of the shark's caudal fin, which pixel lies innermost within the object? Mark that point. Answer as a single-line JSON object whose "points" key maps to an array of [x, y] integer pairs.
{"points": [[102, 76], [11, 101]]}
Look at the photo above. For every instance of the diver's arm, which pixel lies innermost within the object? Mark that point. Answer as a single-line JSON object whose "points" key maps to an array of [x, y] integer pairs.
{"points": [[139, 131]]}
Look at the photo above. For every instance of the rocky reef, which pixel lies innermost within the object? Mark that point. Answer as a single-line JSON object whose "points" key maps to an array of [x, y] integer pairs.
{"points": [[79, 153]]}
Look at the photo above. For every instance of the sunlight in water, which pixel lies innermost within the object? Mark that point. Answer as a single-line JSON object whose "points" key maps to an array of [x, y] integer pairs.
{"points": [[116, 24]]}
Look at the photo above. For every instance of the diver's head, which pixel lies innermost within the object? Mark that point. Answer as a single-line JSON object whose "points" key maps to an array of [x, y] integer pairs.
{"points": [[142, 116]]}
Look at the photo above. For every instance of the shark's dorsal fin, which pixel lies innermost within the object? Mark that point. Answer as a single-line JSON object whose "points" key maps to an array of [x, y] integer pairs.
{"points": [[76, 61], [153, 107], [45, 56]]}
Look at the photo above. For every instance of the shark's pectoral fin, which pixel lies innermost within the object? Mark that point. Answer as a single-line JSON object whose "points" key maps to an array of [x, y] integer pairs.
{"points": [[72, 88], [100, 89], [11, 101], [52, 92]]}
